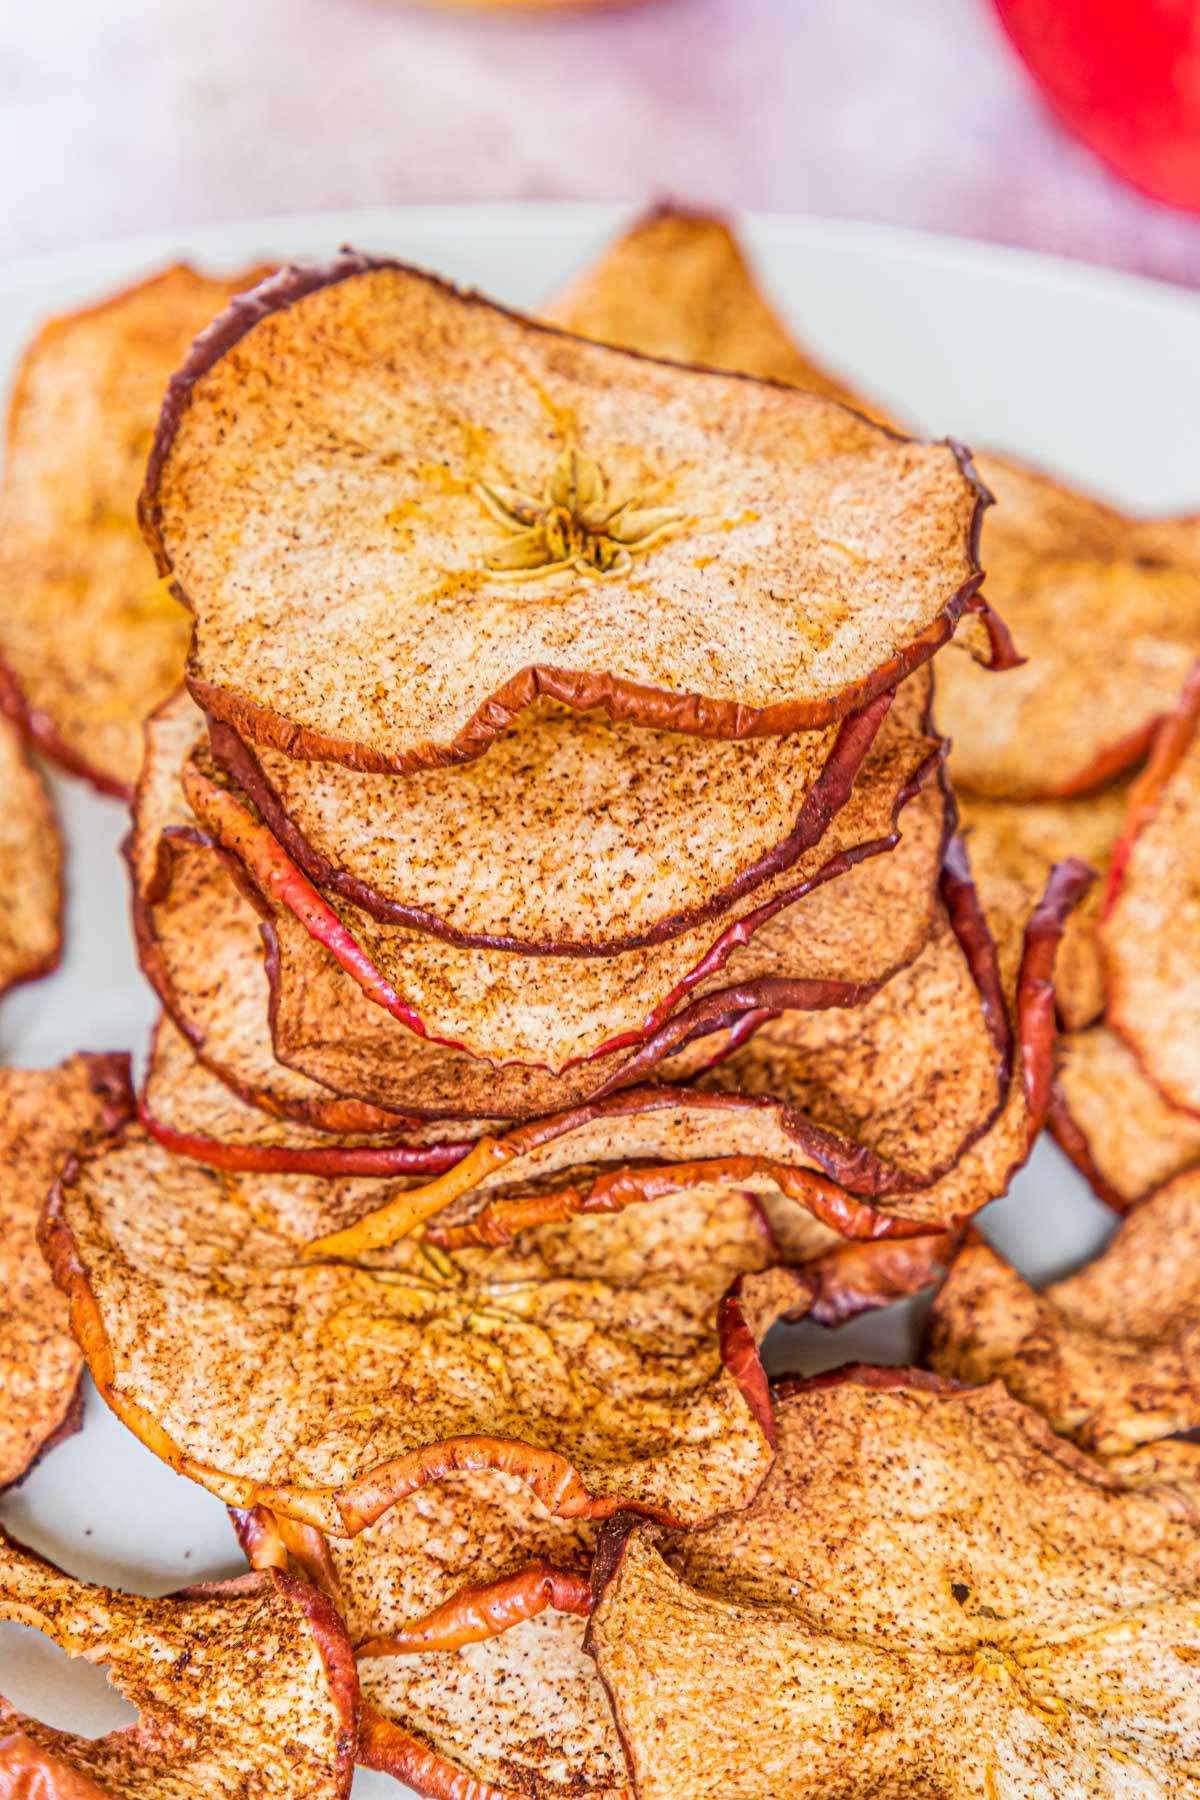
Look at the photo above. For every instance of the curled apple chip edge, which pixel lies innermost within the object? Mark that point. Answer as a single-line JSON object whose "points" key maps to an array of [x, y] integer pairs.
{"points": [[90, 641], [468, 1601], [1108, 1117], [597, 437], [251, 1679], [31, 861], [408, 1358], [1110, 1355], [45, 1116], [1150, 924], [891, 1646]]}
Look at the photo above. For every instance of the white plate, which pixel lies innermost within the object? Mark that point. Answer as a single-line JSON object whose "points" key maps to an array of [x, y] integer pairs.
{"points": [[1095, 374]]}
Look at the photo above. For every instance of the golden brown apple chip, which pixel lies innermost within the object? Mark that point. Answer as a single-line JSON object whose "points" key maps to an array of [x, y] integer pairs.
{"points": [[508, 512], [244, 1688], [566, 839], [930, 1594], [1106, 610], [554, 1011], [1111, 1355], [90, 641], [1150, 929], [45, 1115], [466, 1606], [1112, 1121], [609, 1361], [848, 1130], [677, 284], [1015, 844], [31, 867]]}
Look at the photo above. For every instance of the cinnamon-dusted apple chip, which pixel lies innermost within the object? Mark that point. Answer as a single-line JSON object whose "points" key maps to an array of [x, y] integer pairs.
{"points": [[466, 1603], [90, 641], [1112, 1121], [1105, 609], [1150, 930], [31, 867], [45, 1115], [244, 1688], [555, 1011], [506, 512], [676, 284], [1015, 844], [930, 1594], [847, 1131], [609, 1362], [1111, 1355]]}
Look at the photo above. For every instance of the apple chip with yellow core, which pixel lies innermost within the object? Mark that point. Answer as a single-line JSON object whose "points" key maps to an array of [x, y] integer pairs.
{"points": [[503, 512], [31, 860], [1111, 1120]]}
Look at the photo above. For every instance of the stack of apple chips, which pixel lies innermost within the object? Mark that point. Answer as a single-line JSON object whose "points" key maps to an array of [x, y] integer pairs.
{"points": [[569, 963]]}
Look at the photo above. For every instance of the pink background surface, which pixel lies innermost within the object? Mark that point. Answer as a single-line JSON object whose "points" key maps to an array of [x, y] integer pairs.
{"points": [[119, 116]]}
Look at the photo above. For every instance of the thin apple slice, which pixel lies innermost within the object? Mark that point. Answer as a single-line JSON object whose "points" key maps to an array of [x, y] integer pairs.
{"points": [[1113, 1123], [1015, 844], [566, 839], [1111, 1355], [614, 1362], [31, 866], [45, 1115], [90, 641], [555, 1011], [1085, 705], [243, 1687], [505, 512], [1150, 930], [929, 1594], [677, 285], [856, 1171]]}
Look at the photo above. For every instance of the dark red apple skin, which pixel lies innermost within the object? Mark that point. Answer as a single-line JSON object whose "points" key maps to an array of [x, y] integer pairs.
{"points": [[1124, 77]]}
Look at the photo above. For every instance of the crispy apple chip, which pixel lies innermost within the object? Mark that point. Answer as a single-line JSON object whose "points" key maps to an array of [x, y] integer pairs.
{"points": [[1015, 844], [1111, 1355], [1105, 609], [930, 1594], [244, 1688], [45, 1115], [1112, 1121], [611, 1361], [31, 867], [508, 512], [566, 839], [677, 285], [1150, 932], [554, 1011], [853, 1132], [90, 641]]}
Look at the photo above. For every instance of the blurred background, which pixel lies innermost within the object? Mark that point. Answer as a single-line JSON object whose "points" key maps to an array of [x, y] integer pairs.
{"points": [[123, 116]]}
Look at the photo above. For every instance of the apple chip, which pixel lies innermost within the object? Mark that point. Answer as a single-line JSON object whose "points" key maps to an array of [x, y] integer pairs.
{"points": [[90, 641], [1086, 702], [1015, 844], [930, 1594], [1111, 1355], [244, 1688], [31, 865], [566, 839], [1112, 1121], [1150, 931], [467, 1602], [45, 1115], [677, 285], [608, 1362], [507, 512], [866, 1154]]}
